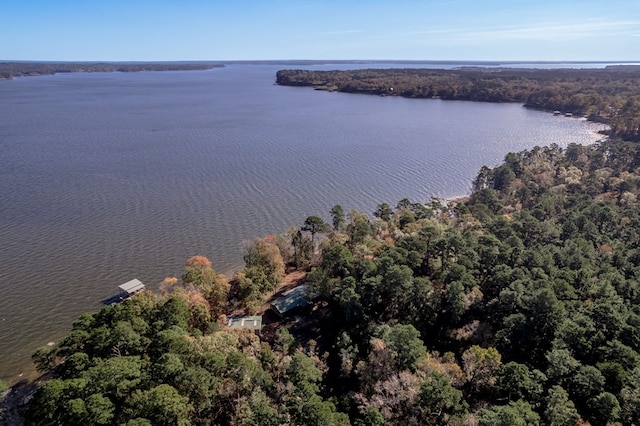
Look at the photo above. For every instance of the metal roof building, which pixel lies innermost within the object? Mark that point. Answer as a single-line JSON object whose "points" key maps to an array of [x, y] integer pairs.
{"points": [[294, 298], [254, 322]]}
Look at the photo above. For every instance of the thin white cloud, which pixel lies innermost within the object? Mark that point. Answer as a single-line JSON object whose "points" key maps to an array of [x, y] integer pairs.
{"points": [[547, 31], [340, 32]]}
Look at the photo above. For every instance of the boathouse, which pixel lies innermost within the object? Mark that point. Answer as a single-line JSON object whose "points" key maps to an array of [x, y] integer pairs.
{"points": [[130, 288]]}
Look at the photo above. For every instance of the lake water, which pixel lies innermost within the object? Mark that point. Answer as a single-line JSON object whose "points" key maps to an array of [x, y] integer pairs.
{"points": [[114, 176]]}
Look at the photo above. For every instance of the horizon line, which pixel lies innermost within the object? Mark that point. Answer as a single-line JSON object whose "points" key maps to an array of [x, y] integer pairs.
{"points": [[328, 61]]}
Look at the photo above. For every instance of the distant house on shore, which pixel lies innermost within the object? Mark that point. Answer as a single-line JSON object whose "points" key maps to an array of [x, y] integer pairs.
{"points": [[294, 298], [252, 323], [130, 288]]}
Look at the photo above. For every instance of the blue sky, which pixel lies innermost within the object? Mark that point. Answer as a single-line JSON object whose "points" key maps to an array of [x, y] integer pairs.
{"points": [[162, 30]]}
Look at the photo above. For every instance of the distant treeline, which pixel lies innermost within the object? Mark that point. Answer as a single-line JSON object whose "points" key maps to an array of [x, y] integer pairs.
{"points": [[610, 95], [8, 70]]}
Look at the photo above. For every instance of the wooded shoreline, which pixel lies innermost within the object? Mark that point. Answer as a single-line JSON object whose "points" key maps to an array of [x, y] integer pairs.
{"points": [[609, 95], [518, 303], [9, 70]]}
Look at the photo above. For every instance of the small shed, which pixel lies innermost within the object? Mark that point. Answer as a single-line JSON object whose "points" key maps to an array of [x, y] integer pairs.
{"points": [[253, 322], [130, 288], [294, 298]]}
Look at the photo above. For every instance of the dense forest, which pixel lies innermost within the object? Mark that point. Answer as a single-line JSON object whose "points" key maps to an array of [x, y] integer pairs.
{"points": [[610, 95], [9, 70], [517, 306]]}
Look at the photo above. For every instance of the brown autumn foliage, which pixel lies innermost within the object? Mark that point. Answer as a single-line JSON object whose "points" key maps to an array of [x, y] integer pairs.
{"points": [[214, 287], [197, 261]]}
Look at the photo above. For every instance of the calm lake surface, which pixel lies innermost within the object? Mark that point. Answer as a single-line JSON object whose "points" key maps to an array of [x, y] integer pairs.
{"points": [[114, 176]]}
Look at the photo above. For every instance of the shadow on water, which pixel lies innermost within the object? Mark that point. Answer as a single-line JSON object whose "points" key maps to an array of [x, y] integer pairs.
{"points": [[116, 298]]}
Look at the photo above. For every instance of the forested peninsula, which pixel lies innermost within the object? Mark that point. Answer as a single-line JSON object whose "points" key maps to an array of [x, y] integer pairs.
{"points": [[9, 70], [610, 95]]}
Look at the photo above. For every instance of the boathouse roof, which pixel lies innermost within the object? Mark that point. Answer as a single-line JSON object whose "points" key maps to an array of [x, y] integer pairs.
{"points": [[131, 287]]}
